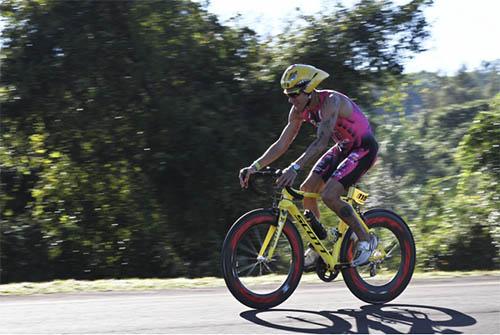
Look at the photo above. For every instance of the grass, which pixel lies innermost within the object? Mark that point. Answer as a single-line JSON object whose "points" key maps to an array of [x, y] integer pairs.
{"points": [[121, 285]]}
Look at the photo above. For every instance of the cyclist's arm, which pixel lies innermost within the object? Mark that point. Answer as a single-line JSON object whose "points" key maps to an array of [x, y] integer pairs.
{"points": [[278, 148], [330, 111]]}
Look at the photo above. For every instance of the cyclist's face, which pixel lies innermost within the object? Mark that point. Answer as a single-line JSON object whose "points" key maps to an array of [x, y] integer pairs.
{"points": [[299, 100]]}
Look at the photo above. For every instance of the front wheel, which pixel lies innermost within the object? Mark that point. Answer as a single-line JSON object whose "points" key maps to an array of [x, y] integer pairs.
{"points": [[261, 283], [391, 265]]}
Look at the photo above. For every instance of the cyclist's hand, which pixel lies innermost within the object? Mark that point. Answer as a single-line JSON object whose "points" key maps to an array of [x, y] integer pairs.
{"points": [[245, 175], [287, 178]]}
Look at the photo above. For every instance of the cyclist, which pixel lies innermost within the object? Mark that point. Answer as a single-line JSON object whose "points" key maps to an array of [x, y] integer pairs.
{"points": [[336, 116]]}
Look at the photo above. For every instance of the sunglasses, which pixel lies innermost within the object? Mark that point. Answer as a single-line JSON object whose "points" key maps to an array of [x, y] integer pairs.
{"points": [[293, 95]]}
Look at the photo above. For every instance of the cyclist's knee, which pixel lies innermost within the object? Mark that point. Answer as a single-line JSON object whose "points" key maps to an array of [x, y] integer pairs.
{"points": [[306, 187], [332, 193], [313, 183], [330, 198]]}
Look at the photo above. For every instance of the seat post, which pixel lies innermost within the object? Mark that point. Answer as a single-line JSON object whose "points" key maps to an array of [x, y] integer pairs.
{"points": [[350, 192]]}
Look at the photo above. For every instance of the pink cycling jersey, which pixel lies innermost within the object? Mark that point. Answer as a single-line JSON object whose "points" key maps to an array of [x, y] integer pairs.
{"points": [[349, 131]]}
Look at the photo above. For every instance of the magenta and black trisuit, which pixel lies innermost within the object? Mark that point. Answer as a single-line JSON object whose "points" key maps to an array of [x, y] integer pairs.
{"points": [[355, 150]]}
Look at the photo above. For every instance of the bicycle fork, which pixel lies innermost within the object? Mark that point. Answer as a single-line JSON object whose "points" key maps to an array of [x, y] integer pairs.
{"points": [[273, 231]]}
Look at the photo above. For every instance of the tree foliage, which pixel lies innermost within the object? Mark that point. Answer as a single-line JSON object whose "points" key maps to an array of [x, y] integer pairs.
{"points": [[445, 162], [124, 124]]}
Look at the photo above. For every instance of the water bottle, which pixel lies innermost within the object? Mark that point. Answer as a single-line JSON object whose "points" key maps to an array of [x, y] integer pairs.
{"points": [[317, 227]]}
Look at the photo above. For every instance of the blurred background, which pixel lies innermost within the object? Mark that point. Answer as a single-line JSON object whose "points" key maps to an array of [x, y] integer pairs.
{"points": [[124, 125]]}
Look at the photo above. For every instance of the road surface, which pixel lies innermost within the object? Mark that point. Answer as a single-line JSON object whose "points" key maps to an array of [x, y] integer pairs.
{"points": [[451, 306]]}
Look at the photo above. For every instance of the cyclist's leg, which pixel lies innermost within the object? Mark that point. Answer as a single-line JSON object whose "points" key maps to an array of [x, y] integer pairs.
{"points": [[315, 184], [331, 196], [348, 173], [319, 175]]}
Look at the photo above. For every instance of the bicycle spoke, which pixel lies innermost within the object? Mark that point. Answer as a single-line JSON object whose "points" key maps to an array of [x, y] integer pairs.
{"points": [[254, 248], [250, 250], [247, 258], [394, 244], [249, 266], [268, 267], [259, 237]]}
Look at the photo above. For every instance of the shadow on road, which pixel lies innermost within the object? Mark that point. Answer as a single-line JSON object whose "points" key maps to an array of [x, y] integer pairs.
{"points": [[388, 319]]}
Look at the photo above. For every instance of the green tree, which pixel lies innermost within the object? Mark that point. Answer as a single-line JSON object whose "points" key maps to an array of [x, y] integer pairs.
{"points": [[124, 124]]}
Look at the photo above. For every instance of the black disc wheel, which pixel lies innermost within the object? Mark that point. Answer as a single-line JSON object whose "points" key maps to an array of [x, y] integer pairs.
{"points": [[391, 265], [261, 282]]}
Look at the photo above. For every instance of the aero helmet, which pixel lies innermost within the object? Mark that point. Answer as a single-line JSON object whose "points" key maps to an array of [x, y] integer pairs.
{"points": [[301, 77]]}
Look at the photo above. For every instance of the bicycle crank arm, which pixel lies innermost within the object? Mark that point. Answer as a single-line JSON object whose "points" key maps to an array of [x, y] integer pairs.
{"points": [[342, 266]]}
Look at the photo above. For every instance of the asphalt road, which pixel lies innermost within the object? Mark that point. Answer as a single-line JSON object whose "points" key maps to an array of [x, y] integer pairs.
{"points": [[442, 306]]}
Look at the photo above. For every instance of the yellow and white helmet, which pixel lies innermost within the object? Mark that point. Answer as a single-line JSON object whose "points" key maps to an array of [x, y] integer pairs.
{"points": [[301, 77]]}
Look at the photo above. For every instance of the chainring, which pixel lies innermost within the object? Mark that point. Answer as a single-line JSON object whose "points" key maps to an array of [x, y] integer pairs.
{"points": [[321, 271]]}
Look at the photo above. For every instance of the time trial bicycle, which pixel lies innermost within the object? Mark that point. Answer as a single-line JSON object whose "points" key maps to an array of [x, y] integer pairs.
{"points": [[263, 252]]}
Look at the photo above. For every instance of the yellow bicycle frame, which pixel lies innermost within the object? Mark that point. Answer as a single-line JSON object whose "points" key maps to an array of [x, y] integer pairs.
{"points": [[287, 207]]}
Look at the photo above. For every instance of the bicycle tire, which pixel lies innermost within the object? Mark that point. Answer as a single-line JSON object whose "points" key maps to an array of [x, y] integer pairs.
{"points": [[379, 290], [235, 241]]}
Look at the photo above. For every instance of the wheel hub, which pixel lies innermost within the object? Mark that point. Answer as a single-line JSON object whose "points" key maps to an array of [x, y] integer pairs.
{"points": [[261, 259]]}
